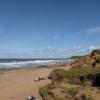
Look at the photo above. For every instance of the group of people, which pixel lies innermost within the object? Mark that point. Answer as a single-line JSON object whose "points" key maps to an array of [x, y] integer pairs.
{"points": [[39, 79]]}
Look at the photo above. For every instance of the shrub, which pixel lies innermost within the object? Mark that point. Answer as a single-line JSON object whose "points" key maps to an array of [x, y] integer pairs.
{"points": [[88, 98], [57, 75], [46, 91], [72, 91]]}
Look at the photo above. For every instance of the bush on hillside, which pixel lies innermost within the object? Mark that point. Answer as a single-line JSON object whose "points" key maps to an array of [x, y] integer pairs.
{"points": [[72, 91], [57, 75], [46, 92], [75, 76]]}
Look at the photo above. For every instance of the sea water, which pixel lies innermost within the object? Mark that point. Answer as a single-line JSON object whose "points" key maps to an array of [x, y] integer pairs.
{"points": [[18, 63]]}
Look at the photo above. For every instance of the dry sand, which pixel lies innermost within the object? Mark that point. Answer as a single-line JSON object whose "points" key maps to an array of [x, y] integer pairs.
{"points": [[18, 84]]}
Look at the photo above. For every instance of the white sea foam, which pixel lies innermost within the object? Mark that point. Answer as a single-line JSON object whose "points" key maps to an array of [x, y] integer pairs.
{"points": [[18, 64]]}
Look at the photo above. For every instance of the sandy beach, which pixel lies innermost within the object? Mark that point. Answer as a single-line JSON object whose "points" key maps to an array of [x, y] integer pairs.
{"points": [[18, 84]]}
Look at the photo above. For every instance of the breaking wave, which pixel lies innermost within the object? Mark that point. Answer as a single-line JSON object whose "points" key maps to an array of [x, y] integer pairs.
{"points": [[29, 63]]}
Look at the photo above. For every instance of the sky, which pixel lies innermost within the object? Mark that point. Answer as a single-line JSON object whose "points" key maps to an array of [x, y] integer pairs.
{"points": [[48, 28]]}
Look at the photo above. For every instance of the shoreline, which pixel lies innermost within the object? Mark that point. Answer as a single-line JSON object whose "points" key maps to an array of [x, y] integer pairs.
{"points": [[35, 67]]}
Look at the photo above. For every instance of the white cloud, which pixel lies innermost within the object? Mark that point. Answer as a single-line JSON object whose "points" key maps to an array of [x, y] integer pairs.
{"points": [[49, 52], [93, 30], [94, 47]]}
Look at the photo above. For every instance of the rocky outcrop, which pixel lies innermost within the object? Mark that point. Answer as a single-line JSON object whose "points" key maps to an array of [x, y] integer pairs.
{"points": [[91, 60]]}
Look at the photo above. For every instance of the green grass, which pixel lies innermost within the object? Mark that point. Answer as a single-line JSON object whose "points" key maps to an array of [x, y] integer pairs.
{"points": [[72, 75], [58, 75]]}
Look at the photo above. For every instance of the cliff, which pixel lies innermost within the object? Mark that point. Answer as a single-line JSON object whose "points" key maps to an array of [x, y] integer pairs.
{"points": [[91, 60]]}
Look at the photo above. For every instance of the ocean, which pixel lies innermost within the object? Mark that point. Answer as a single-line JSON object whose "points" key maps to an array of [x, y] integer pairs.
{"points": [[19, 63]]}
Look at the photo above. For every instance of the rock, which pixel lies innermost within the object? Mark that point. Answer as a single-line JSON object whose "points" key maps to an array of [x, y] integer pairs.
{"points": [[30, 98]]}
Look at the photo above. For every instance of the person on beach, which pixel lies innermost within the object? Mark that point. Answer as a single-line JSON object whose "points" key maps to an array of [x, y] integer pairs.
{"points": [[36, 80], [39, 79]]}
